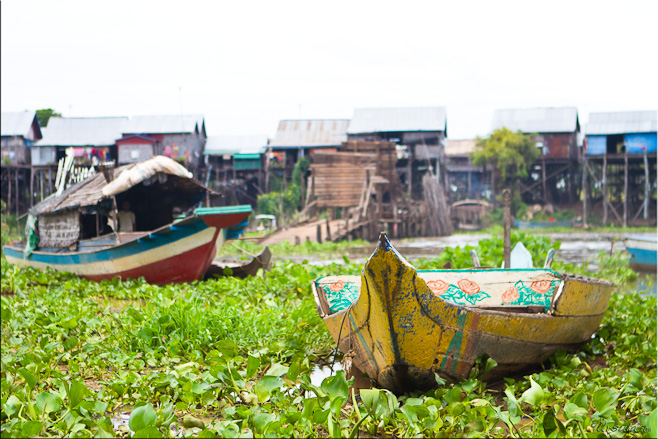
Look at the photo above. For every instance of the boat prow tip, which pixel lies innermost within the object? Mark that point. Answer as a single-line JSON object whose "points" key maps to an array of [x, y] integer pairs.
{"points": [[383, 240]]}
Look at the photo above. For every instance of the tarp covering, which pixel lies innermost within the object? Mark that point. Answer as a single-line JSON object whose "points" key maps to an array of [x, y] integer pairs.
{"points": [[143, 171], [91, 191]]}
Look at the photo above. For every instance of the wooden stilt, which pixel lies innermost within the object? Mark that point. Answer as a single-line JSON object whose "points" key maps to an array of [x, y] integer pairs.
{"points": [[409, 165], [626, 188], [17, 195], [585, 193], [604, 190], [543, 178], [507, 224], [32, 186], [8, 190], [647, 186]]}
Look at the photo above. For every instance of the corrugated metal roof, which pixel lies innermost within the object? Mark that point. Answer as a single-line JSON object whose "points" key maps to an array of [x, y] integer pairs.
{"points": [[310, 133], [622, 122], [537, 120], [163, 124], [82, 131], [220, 145], [459, 147], [381, 120], [16, 124]]}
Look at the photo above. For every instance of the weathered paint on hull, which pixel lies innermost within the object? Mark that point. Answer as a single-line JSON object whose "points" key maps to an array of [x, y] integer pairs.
{"points": [[181, 252], [402, 333]]}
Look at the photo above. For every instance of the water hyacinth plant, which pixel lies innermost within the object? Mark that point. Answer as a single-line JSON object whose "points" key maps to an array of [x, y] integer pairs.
{"points": [[234, 358]]}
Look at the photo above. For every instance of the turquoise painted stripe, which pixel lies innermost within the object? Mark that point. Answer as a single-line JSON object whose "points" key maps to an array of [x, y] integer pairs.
{"points": [[123, 250], [641, 256], [488, 270], [364, 345], [241, 208]]}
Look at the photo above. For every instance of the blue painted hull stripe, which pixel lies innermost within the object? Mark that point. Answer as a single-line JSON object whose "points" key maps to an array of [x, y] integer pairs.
{"points": [[640, 256], [120, 251]]}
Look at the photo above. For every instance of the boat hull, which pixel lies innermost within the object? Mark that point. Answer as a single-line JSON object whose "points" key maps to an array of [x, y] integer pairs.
{"points": [[179, 252], [643, 252], [402, 333]]}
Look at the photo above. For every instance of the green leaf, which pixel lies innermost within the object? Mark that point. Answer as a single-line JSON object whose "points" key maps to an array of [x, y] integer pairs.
{"points": [[262, 392], [31, 428], [293, 372], [650, 422], [132, 312], [142, 417], [261, 421], [70, 343], [228, 348], [572, 411], [148, 432], [604, 398], [580, 399], [410, 412], [551, 423], [190, 421], [12, 406], [252, 365], [5, 315], [370, 399], [70, 323], [277, 370], [491, 363], [48, 402], [534, 395], [336, 386], [271, 382], [77, 393], [29, 378]]}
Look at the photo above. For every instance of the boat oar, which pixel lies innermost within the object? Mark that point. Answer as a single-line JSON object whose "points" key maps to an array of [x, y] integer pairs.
{"points": [[474, 258], [549, 258]]}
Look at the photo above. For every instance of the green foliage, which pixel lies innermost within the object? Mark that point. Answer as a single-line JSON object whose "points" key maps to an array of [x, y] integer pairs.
{"points": [[510, 153], [285, 202], [45, 115], [231, 357]]}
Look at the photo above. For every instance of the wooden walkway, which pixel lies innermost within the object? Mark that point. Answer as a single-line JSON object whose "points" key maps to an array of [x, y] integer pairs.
{"points": [[305, 232]]}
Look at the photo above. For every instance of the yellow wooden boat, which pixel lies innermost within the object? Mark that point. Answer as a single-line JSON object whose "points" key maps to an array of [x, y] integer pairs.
{"points": [[403, 325]]}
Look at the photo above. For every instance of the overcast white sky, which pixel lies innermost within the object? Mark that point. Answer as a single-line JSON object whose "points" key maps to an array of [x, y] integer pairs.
{"points": [[245, 65]]}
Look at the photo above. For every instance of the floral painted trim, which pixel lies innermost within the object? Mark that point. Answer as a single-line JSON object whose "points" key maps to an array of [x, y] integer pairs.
{"points": [[340, 295], [537, 293], [467, 292]]}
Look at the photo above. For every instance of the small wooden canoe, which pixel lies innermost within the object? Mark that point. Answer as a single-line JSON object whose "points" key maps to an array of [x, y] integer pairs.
{"points": [[261, 260], [404, 325]]}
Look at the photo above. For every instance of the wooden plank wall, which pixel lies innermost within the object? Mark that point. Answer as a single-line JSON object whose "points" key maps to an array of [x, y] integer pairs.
{"points": [[339, 177]]}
